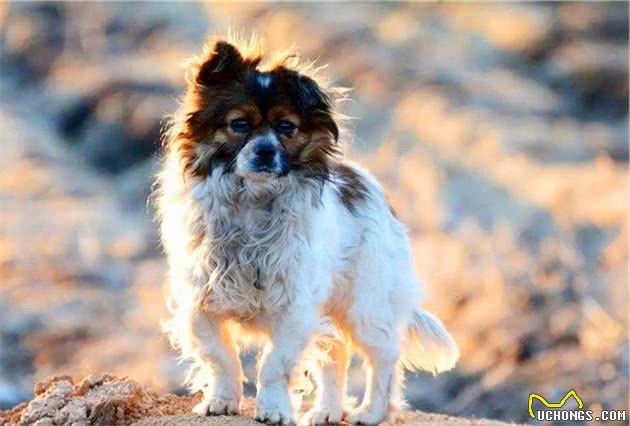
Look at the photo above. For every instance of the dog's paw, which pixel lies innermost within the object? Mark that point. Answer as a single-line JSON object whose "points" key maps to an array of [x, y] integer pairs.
{"points": [[322, 416], [274, 417], [273, 406], [362, 416], [217, 407]]}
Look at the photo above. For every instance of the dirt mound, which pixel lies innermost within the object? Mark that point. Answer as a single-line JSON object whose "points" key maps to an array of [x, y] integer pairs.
{"points": [[101, 400], [405, 418], [109, 400]]}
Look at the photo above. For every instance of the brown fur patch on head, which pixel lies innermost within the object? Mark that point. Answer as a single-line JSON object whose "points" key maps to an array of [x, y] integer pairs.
{"points": [[230, 81]]}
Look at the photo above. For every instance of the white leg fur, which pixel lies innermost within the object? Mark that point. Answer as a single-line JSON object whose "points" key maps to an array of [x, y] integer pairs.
{"points": [[289, 336], [381, 356], [219, 365], [330, 376]]}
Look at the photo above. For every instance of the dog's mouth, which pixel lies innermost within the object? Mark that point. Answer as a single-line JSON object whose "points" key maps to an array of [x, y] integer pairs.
{"points": [[268, 169], [261, 175]]}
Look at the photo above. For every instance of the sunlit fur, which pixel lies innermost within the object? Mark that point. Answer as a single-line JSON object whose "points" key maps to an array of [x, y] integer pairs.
{"points": [[310, 265]]}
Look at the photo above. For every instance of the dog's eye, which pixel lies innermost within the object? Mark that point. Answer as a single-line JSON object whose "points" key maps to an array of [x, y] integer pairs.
{"points": [[285, 127], [241, 125]]}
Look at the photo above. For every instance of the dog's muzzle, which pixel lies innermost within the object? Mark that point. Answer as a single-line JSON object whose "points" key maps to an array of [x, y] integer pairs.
{"points": [[263, 155], [267, 157]]}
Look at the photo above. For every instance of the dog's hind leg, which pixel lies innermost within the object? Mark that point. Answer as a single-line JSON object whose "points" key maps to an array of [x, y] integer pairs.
{"points": [[330, 376], [372, 325], [381, 351]]}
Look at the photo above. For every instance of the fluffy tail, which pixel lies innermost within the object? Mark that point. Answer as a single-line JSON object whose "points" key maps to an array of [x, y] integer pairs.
{"points": [[428, 345]]}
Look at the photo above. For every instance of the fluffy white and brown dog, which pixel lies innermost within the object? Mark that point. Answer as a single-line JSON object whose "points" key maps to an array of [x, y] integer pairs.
{"points": [[272, 236]]}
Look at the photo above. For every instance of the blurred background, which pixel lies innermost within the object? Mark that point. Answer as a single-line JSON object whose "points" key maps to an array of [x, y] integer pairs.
{"points": [[500, 131]]}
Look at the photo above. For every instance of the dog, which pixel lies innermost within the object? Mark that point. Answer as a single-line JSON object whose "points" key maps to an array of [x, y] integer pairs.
{"points": [[273, 237]]}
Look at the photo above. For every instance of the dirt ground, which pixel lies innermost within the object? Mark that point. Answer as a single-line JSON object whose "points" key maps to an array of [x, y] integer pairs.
{"points": [[108, 400]]}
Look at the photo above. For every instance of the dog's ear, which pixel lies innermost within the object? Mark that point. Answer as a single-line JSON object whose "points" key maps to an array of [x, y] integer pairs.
{"points": [[317, 103], [310, 94], [222, 62]]}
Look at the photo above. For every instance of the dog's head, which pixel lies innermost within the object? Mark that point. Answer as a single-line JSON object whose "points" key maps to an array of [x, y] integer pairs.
{"points": [[258, 123]]}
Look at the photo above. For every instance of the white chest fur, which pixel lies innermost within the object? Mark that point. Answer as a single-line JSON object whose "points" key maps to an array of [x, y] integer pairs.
{"points": [[254, 243]]}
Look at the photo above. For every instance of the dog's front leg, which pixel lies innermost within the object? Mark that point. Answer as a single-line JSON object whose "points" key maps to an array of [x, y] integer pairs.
{"points": [[220, 372], [289, 335]]}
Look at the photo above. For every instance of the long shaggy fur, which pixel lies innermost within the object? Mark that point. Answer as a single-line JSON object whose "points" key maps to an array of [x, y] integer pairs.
{"points": [[308, 264]]}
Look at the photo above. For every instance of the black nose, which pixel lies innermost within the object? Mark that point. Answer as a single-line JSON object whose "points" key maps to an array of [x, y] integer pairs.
{"points": [[265, 151]]}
